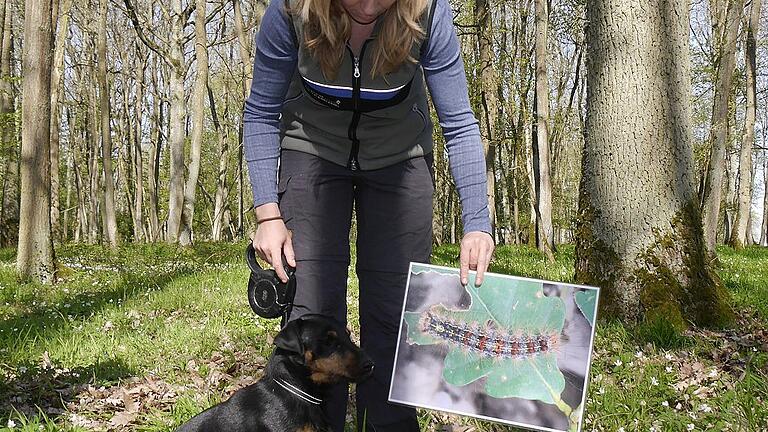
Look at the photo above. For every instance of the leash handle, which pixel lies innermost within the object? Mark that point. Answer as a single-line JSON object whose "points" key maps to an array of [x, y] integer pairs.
{"points": [[253, 263]]}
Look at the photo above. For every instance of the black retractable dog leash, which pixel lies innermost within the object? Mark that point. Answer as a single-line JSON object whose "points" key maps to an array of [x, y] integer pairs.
{"points": [[268, 296]]}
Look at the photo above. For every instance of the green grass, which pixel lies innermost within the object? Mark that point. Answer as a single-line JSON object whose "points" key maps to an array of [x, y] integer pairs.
{"points": [[172, 329]]}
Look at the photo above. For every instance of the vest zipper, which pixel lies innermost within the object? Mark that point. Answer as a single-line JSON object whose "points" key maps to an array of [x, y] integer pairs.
{"points": [[353, 164]]}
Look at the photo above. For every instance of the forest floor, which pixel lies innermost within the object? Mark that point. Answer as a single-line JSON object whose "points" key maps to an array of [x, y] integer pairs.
{"points": [[145, 337]]}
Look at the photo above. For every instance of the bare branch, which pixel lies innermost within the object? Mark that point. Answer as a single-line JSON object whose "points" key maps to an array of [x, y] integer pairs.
{"points": [[140, 32]]}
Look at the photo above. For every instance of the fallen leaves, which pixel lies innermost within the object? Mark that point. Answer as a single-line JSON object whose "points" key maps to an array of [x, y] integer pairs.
{"points": [[122, 406]]}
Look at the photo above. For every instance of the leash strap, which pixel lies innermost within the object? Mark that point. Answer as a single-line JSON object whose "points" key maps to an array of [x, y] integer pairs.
{"points": [[306, 397]]}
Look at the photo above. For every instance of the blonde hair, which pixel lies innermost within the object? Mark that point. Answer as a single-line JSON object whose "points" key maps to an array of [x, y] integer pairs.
{"points": [[327, 27]]}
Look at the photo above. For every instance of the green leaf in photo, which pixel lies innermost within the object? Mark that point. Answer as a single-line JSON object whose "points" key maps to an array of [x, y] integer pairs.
{"points": [[514, 307]]}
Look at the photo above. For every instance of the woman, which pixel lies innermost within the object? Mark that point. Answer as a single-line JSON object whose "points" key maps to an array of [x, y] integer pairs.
{"points": [[339, 97]]}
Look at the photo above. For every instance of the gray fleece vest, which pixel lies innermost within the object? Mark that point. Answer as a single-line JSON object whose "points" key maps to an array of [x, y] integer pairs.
{"points": [[355, 120]]}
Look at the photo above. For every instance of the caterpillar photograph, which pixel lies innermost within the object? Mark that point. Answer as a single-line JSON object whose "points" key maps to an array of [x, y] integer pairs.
{"points": [[513, 350]]}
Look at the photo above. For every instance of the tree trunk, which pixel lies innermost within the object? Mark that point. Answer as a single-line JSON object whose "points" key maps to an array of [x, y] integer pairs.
{"points": [[9, 212], [110, 218], [70, 180], [153, 171], [731, 183], [244, 48], [541, 153], [741, 227], [95, 202], [725, 17], [35, 257], [198, 119], [138, 164], [488, 90], [62, 33], [247, 67], [222, 190], [177, 122], [639, 235], [764, 230]]}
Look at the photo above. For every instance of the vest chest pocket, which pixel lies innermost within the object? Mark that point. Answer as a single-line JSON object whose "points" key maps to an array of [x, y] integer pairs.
{"points": [[393, 130]]}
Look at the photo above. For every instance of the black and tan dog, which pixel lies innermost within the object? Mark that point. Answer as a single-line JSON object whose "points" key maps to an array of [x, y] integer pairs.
{"points": [[311, 353]]}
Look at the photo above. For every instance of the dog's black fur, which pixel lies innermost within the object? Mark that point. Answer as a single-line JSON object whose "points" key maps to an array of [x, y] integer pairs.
{"points": [[311, 353]]}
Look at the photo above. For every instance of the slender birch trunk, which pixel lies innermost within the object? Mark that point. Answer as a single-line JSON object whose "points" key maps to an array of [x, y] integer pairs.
{"points": [[62, 33], [110, 218], [222, 190], [764, 230], [9, 210], [726, 17], [541, 152], [247, 67], [139, 232], [483, 18], [177, 121], [198, 118], [741, 226]]}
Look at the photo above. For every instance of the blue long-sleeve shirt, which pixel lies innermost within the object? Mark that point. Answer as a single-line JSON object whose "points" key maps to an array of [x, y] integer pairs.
{"points": [[275, 63]]}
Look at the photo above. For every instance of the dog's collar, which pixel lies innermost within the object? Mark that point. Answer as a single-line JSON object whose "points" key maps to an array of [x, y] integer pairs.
{"points": [[299, 393]]}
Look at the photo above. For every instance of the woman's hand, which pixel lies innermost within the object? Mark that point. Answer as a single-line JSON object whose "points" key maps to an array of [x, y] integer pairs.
{"points": [[476, 251], [272, 240]]}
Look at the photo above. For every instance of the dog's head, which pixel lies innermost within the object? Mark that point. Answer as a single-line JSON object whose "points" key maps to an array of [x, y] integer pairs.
{"points": [[324, 347]]}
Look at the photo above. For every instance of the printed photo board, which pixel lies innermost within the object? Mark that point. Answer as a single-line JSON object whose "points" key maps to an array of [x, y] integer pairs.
{"points": [[514, 350]]}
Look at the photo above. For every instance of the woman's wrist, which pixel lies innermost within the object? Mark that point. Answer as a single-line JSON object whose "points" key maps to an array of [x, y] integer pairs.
{"points": [[267, 211]]}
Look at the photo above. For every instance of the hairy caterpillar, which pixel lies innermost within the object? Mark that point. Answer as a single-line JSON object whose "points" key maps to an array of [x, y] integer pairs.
{"points": [[486, 340]]}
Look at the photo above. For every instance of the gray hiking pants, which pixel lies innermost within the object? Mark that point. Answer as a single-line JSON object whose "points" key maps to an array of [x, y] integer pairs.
{"points": [[393, 207]]}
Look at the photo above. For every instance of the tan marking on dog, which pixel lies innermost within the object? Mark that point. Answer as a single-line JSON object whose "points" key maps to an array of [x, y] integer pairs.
{"points": [[308, 356], [306, 428], [326, 370]]}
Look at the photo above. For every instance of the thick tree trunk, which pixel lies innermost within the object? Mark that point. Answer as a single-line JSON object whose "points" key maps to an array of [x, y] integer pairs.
{"points": [[198, 119], [488, 97], [35, 257], [9, 212], [741, 226], [726, 16], [639, 235], [541, 154], [56, 82], [110, 218]]}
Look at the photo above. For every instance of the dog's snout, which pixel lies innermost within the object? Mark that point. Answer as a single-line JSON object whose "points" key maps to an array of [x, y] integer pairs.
{"points": [[366, 368]]}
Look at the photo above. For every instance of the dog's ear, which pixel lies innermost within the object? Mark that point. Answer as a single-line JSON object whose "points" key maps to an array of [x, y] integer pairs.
{"points": [[289, 338]]}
